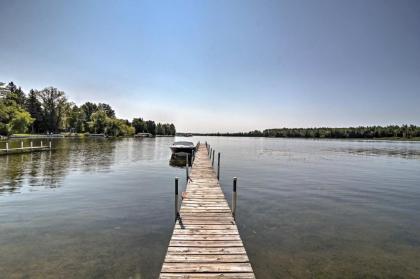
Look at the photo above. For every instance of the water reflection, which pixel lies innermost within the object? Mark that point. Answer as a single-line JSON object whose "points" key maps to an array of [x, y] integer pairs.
{"points": [[179, 160], [49, 168]]}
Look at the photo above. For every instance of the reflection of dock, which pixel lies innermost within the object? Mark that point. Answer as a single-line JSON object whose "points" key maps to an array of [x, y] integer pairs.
{"points": [[205, 242], [25, 149]]}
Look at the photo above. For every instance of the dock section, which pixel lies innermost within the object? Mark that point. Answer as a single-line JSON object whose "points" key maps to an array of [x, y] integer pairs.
{"points": [[205, 242]]}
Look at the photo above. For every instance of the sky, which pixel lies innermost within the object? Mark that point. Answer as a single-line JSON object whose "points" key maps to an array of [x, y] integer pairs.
{"points": [[219, 66]]}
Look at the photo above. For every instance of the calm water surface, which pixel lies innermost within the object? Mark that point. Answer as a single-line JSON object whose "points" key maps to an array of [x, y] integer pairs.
{"points": [[97, 208]]}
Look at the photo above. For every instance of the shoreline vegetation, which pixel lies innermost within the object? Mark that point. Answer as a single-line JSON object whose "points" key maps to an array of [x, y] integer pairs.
{"points": [[48, 112], [392, 132]]}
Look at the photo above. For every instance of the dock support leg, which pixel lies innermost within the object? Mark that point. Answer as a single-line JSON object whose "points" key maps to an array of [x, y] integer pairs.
{"points": [[32, 145], [41, 143], [212, 160], [186, 169], [234, 197], [50, 144], [176, 199], [218, 166], [21, 144]]}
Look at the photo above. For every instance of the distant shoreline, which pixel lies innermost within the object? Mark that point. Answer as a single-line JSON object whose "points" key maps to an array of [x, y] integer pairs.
{"points": [[313, 138]]}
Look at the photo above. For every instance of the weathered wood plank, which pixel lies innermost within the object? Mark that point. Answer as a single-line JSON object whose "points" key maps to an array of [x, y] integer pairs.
{"points": [[204, 237], [206, 267], [207, 275], [192, 243], [176, 258], [206, 250], [205, 227], [197, 232]]}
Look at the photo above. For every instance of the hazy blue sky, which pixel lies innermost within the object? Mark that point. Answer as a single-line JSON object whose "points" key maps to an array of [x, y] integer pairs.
{"points": [[222, 65]]}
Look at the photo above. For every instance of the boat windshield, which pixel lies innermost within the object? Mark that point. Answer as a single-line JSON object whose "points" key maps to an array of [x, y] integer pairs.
{"points": [[184, 143]]}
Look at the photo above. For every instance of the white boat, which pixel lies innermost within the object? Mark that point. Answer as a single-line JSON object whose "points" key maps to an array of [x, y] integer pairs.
{"points": [[182, 147]]}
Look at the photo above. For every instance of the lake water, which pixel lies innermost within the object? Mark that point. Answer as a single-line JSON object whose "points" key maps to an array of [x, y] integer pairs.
{"points": [[99, 208]]}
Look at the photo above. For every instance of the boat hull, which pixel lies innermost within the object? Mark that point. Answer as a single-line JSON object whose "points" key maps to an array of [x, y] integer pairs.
{"points": [[177, 150]]}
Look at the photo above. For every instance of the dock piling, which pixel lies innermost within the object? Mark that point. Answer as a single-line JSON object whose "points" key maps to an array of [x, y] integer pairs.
{"points": [[41, 143], [212, 161], [50, 144], [7, 147], [176, 199], [234, 197], [186, 169], [218, 166], [21, 144], [32, 145]]}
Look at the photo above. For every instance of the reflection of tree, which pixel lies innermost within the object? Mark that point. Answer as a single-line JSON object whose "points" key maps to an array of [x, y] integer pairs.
{"points": [[47, 169]]}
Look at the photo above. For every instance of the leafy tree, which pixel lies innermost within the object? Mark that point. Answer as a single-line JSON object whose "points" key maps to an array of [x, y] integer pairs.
{"points": [[151, 127], [98, 122], [139, 125], [53, 103], [33, 106], [159, 129], [118, 127], [108, 110], [76, 120], [20, 122], [88, 109], [172, 129]]}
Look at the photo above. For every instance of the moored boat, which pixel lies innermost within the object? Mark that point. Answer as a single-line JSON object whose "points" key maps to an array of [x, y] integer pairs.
{"points": [[182, 147]]}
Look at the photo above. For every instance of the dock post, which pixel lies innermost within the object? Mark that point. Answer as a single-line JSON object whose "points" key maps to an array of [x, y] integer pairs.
{"points": [[218, 166], [41, 143], [32, 144], [192, 157], [50, 144], [212, 161], [21, 144], [234, 197], [7, 147], [186, 169], [176, 198]]}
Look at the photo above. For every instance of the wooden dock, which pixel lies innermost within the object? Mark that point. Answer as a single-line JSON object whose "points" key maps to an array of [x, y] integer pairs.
{"points": [[205, 242], [25, 149]]}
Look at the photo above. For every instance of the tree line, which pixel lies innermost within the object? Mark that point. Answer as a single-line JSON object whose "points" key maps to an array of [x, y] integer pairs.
{"points": [[49, 111], [369, 132]]}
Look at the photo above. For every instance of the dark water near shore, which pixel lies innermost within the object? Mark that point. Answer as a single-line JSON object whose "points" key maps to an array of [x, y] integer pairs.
{"points": [[98, 208]]}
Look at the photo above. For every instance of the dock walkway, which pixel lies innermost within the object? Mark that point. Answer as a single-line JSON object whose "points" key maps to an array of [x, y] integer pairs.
{"points": [[205, 242]]}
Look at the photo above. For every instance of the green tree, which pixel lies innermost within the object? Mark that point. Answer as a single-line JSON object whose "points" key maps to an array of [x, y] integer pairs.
{"points": [[76, 120], [33, 106], [53, 104], [20, 122], [118, 127], [172, 129], [139, 125], [88, 109], [159, 129], [151, 127], [98, 122], [108, 110]]}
